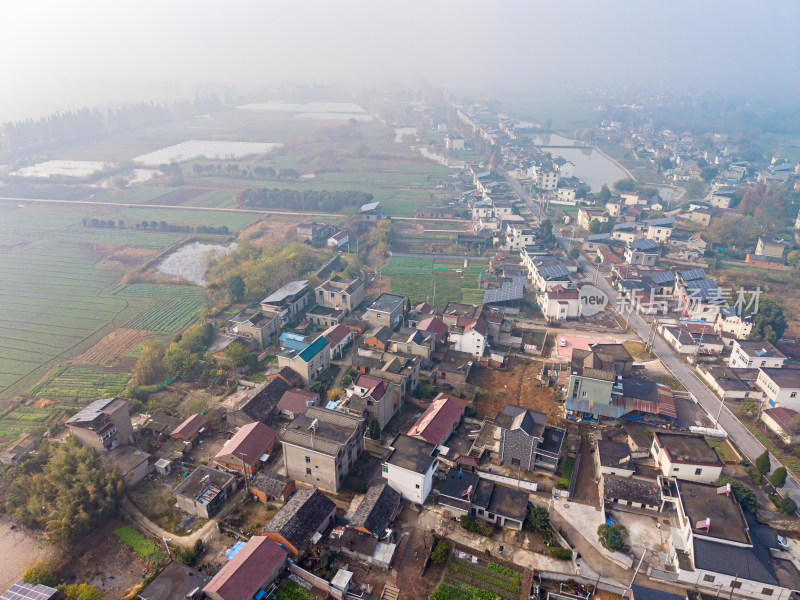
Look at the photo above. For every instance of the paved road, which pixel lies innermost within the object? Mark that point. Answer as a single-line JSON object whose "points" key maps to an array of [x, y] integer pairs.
{"points": [[448, 256], [738, 433], [257, 211]]}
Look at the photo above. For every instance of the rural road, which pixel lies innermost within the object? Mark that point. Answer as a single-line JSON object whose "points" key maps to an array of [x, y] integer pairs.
{"points": [[202, 208], [738, 433]]}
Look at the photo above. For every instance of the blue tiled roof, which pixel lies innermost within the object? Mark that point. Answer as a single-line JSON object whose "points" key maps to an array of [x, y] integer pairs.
{"points": [[314, 348]]}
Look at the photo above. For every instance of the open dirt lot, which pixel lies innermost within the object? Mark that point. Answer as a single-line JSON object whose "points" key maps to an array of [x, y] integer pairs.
{"points": [[270, 230], [104, 561], [112, 348], [20, 548], [518, 385]]}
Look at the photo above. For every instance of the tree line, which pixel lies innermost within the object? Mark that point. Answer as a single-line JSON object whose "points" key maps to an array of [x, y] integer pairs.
{"points": [[234, 170], [305, 200], [89, 123], [186, 356], [157, 226]]}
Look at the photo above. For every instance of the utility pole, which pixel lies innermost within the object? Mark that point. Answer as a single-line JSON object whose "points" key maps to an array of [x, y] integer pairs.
{"points": [[635, 573], [733, 586], [244, 467]]}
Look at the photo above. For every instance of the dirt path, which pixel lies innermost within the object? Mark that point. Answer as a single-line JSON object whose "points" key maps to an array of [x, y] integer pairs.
{"points": [[185, 541]]}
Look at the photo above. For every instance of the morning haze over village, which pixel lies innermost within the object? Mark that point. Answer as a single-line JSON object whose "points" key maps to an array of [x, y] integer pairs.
{"points": [[403, 301]]}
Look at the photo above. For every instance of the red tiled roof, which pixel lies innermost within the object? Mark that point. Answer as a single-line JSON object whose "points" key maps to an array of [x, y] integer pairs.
{"points": [[376, 387], [253, 440], [781, 415], [559, 293], [607, 255], [296, 400], [433, 325], [423, 308], [479, 325], [437, 419], [337, 333], [190, 426], [242, 577]]}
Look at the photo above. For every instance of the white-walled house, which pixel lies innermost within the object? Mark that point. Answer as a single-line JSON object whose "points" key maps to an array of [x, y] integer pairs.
{"points": [[469, 335], [560, 303], [780, 386], [714, 548], [748, 354], [410, 466], [686, 457]]}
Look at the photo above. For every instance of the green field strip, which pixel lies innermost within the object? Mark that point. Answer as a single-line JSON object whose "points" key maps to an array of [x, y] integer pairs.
{"points": [[23, 354], [45, 329], [54, 314], [87, 304], [25, 343], [54, 278], [214, 199], [132, 195], [143, 239]]}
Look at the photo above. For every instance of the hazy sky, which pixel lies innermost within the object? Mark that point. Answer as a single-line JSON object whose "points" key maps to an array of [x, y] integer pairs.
{"points": [[62, 53]]}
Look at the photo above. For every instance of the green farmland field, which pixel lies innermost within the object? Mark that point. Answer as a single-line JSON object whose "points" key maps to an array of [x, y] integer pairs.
{"points": [[69, 382], [408, 266], [415, 278], [174, 307], [140, 239], [52, 300]]}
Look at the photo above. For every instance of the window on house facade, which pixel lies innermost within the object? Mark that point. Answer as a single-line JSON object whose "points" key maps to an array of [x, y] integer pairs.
{"points": [[308, 471], [698, 471], [417, 486], [736, 584], [766, 592], [708, 578], [308, 459]]}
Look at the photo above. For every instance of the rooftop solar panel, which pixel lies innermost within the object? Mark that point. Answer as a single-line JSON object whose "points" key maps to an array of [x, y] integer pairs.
{"points": [[22, 590]]}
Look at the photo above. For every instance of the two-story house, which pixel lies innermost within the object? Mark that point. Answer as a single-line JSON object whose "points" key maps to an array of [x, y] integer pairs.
{"points": [[526, 441], [260, 327], [386, 311], [660, 230], [469, 336], [560, 303], [410, 466], [376, 396], [289, 302], [714, 547], [310, 362], [340, 293], [103, 425], [751, 354], [642, 252], [686, 457], [320, 447], [781, 387]]}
